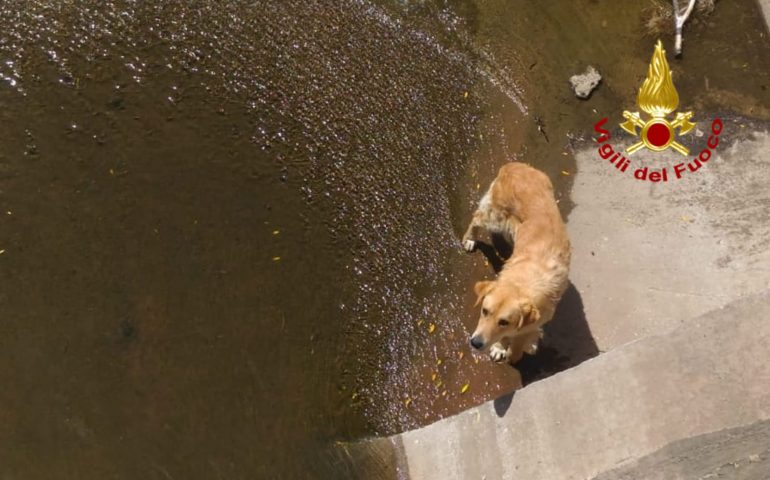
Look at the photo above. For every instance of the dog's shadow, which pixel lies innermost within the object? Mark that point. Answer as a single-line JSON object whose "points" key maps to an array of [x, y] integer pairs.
{"points": [[567, 341]]}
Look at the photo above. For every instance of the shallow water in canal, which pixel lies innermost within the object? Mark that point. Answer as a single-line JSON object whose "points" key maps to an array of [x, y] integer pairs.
{"points": [[229, 231]]}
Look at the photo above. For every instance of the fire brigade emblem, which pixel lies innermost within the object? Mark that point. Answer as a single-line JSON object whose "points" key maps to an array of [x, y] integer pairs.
{"points": [[658, 98]]}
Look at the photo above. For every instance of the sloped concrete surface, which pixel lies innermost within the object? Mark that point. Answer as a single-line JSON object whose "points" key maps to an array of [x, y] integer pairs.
{"points": [[708, 374], [741, 453], [674, 280], [649, 254]]}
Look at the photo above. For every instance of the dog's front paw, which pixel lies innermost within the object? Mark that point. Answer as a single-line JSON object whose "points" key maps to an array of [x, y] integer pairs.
{"points": [[498, 354], [469, 245]]}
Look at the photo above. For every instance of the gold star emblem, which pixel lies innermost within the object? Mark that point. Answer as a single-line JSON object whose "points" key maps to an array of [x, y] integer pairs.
{"points": [[658, 98]]}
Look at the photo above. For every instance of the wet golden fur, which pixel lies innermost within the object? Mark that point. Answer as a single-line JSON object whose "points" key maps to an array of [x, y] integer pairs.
{"points": [[520, 204]]}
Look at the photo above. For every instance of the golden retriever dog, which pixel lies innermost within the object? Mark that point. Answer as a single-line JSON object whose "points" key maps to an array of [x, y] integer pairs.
{"points": [[520, 205]]}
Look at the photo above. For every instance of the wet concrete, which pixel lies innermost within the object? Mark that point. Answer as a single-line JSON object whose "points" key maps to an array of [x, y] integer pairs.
{"points": [[652, 403]]}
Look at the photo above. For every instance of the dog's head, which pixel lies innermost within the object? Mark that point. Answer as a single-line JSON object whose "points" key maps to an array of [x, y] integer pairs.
{"points": [[504, 311]]}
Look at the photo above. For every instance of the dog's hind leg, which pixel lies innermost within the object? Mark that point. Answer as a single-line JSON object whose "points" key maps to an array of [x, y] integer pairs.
{"points": [[473, 230], [480, 220]]}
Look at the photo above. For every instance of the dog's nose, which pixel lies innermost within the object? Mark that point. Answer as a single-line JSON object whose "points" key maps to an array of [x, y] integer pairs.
{"points": [[477, 343]]}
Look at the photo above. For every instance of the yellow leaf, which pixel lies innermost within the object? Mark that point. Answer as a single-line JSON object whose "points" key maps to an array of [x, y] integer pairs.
{"points": [[439, 361], [433, 376], [276, 232], [407, 402], [565, 173], [462, 354], [420, 322], [275, 259], [465, 388], [439, 383], [465, 95], [431, 328]]}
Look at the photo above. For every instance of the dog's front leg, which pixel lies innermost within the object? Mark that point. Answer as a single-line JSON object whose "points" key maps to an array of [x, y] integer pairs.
{"points": [[531, 341], [472, 233], [520, 345]]}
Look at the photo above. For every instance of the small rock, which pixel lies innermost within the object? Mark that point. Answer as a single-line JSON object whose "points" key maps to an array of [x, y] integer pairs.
{"points": [[584, 84], [754, 458]]}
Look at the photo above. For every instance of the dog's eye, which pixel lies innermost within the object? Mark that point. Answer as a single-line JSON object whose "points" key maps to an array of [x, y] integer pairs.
{"points": [[484, 312], [503, 322]]}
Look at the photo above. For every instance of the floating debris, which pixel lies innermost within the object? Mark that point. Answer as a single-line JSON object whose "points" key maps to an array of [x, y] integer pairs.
{"points": [[276, 259], [276, 232], [565, 173], [585, 83], [2, 251]]}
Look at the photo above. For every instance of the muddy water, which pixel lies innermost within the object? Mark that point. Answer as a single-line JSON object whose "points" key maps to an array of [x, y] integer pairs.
{"points": [[229, 231]]}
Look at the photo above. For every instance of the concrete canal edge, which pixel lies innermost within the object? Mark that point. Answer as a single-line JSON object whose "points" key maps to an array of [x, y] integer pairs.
{"points": [[708, 375], [682, 316]]}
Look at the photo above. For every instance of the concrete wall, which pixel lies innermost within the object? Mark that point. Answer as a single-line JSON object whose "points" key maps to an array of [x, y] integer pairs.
{"points": [[709, 374]]}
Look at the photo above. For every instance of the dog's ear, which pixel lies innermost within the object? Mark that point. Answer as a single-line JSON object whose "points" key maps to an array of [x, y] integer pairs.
{"points": [[482, 288], [529, 314]]}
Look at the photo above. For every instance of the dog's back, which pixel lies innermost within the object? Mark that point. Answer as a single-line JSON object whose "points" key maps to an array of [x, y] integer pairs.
{"points": [[541, 245], [527, 195]]}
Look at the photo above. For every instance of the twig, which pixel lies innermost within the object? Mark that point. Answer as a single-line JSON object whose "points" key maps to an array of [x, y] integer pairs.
{"points": [[679, 20]]}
